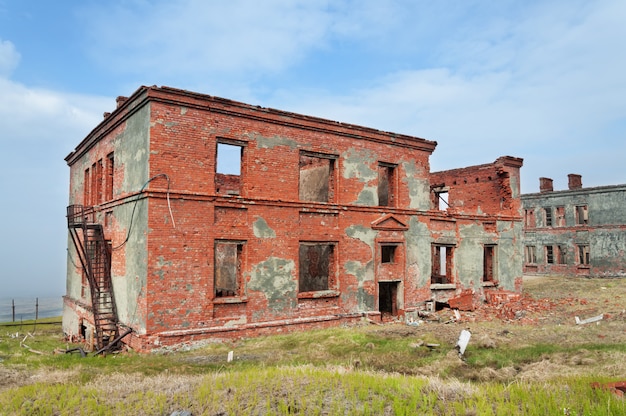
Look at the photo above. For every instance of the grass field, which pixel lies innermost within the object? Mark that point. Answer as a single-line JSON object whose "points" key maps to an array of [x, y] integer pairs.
{"points": [[541, 364]]}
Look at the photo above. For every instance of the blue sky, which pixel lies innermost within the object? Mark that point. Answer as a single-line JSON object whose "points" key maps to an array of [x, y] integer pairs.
{"points": [[542, 80]]}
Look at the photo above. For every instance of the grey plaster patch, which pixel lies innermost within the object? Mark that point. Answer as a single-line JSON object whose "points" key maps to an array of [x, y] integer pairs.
{"points": [[358, 163], [368, 196], [363, 273], [419, 187], [418, 256], [262, 230], [364, 234], [275, 278], [272, 142]]}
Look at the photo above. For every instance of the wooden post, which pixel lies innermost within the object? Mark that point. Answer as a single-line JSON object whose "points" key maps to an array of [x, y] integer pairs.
{"points": [[36, 308], [13, 308]]}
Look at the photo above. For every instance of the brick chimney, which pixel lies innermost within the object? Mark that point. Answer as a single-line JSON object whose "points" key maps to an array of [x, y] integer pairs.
{"points": [[120, 100], [545, 185], [574, 181]]}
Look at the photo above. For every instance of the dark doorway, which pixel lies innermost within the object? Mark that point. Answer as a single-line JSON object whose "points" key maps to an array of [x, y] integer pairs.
{"points": [[388, 298]]}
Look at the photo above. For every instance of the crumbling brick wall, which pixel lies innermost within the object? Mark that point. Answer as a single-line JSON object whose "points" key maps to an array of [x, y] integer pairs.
{"points": [[320, 223]]}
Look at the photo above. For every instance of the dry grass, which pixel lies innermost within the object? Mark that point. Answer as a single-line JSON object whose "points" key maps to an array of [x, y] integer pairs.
{"points": [[364, 370]]}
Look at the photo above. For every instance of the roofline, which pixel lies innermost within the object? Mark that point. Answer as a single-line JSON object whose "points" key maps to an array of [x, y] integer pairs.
{"points": [[175, 96], [564, 192]]}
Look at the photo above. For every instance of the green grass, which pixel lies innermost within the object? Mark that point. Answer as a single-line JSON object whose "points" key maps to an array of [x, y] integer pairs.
{"points": [[346, 371]]}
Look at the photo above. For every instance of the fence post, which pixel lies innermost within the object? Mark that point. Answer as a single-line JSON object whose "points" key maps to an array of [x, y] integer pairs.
{"points": [[13, 309], [36, 308]]}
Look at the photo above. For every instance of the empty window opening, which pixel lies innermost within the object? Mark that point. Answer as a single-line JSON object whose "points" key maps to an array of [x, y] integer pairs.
{"points": [[548, 217], [388, 298], [316, 263], [549, 255], [488, 263], [108, 193], [316, 181], [560, 216], [582, 215], [583, 254], [228, 269], [228, 168], [87, 189], [442, 200], [99, 182], [442, 264], [93, 192], [388, 253], [386, 185], [529, 218], [561, 251], [530, 254]]}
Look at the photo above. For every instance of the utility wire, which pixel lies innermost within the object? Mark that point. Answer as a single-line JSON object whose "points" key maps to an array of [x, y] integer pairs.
{"points": [[132, 215]]}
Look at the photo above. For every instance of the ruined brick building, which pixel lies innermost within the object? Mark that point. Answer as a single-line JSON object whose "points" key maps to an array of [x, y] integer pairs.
{"points": [[578, 231], [316, 223]]}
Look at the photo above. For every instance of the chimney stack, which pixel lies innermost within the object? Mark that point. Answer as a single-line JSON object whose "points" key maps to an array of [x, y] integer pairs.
{"points": [[120, 100], [574, 181], [545, 185]]}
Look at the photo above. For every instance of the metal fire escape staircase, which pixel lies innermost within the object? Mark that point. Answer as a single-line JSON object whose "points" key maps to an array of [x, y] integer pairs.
{"points": [[95, 258]]}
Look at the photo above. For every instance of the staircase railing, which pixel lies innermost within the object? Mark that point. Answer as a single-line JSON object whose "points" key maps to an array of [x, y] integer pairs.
{"points": [[95, 258]]}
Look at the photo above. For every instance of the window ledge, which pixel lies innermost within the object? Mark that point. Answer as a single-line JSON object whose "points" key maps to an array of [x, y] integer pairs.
{"points": [[230, 299], [490, 284], [584, 266], [442, 286], [319, 294]]}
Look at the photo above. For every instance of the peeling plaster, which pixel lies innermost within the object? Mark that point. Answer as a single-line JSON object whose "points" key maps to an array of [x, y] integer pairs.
{"points": [[363, 273], [274, 141], [418, 252], [368, 196], [262, 230], [358, 164], [418, 184], [275, 278], [365, 234]]}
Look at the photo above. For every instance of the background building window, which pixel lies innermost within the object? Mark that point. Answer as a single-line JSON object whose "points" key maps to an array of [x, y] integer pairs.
{"points": [[548, 217], [530, 254], [583, 254], [529, 218], [549, 255], [582, 215]]}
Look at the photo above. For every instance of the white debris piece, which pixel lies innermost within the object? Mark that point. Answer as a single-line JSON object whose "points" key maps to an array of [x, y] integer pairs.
{"points": [[464, 338], [230, 356], [589, 320]]}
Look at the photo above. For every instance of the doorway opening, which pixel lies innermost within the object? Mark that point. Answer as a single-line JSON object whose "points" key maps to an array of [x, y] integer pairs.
{"points": [[388, 298]]}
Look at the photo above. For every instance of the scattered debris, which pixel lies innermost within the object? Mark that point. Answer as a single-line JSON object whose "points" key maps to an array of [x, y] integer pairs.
{"points": [[432, 346], [618, 388], [589, 320], [230, 356], [416, 344], [464, 301], [181, 413], [464, 338]]}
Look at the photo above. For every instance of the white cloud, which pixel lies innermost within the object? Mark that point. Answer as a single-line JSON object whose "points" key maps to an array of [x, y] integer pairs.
{"points": [[9, 58], [34, 115], [543, 87], [194, 36]]}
